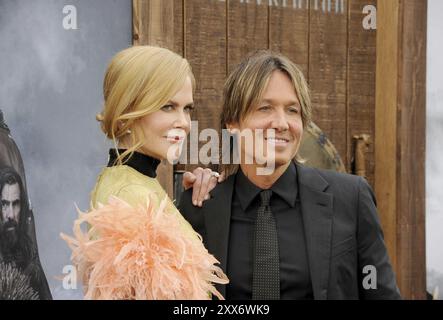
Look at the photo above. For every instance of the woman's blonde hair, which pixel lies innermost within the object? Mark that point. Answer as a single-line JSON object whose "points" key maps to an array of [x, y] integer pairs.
{"points": [[139, 81], [245, 85]]}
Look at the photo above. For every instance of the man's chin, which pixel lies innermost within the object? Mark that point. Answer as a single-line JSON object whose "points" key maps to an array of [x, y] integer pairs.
{"points": [[9, 238], [281, 161]]}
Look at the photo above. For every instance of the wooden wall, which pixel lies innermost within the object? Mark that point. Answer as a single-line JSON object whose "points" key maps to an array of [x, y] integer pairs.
{"points": [[338, 57], [325, 38]]}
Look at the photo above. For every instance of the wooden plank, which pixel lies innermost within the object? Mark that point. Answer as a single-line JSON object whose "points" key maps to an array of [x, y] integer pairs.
{"points": [[159, 23], [205, 48], [386, 122], [247, 30], [400, 138], [327, 70], [361, 83], [289, 31], [411, 150]]}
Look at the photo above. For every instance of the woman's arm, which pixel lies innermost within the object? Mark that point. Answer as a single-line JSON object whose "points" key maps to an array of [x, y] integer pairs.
{"points": [[202, 181]]}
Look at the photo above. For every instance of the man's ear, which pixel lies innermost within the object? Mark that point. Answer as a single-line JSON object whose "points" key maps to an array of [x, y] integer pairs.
{"points": [[232, 127]]}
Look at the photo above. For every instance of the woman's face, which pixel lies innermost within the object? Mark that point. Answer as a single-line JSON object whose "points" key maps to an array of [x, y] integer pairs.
{"points": [[165, 130]]}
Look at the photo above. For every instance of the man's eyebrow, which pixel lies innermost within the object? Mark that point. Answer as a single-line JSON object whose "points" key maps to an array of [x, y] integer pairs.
{"points": [[288, 103]]}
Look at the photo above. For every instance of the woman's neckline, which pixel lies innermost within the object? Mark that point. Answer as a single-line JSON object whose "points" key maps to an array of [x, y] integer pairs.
{"points": [[140, 162]]}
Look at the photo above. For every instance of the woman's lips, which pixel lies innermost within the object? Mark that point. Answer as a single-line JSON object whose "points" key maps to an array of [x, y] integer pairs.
{"points": [[174, 139]]}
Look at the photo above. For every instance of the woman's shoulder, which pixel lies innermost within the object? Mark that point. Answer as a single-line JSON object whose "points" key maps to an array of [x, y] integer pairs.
{"points": [[135, 189]]}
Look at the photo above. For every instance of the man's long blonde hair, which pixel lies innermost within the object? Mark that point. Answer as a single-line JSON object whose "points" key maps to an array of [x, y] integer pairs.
{"points": [[245, 86], [139, 81]]}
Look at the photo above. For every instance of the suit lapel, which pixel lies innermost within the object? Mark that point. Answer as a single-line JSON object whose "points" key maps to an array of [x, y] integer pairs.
{"points": [[316, 207], [217, 213]]}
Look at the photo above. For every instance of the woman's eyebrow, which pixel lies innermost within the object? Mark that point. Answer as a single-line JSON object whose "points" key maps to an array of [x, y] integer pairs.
{"points": [[190, 104]]}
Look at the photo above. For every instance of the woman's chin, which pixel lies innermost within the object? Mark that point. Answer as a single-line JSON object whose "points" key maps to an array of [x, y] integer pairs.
{"points": [[173, 154]]}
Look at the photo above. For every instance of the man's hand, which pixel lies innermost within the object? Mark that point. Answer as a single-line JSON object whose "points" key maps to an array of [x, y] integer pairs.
{"points": [[202, 181]]}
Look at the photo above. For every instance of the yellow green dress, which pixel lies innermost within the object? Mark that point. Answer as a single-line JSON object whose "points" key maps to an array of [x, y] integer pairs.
{"points": [[128, 184]]}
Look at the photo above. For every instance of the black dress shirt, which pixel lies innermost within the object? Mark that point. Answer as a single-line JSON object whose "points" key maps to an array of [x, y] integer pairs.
{"points": [[295, 280], [142, 163]]}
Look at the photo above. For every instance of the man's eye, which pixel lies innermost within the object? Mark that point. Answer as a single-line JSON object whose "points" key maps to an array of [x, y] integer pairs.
{"points": [[168, 107]]}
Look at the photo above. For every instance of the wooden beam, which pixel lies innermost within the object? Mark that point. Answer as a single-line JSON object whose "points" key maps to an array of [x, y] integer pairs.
{"points": [[386, 121], [247, 30], [327, 72], [400, 138], [289, 33], [206, 50], [361, 68]]}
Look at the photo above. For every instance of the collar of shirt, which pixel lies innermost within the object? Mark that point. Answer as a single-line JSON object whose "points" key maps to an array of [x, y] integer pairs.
{"points": [[286, 187], [142, 163]]}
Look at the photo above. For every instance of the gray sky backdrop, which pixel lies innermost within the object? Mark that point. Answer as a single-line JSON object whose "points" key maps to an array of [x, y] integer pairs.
{"points": [[50, 90], [434, 148]]}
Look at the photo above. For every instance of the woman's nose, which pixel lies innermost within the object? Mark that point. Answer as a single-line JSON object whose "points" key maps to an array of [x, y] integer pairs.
{"points": [[183, 121]]}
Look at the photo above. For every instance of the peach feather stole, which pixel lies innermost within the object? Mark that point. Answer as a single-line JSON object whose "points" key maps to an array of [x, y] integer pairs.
{"points": [[143, 252]]}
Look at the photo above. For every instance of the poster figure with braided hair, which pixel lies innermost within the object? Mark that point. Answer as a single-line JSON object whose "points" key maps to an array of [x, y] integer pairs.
{"points": [[18, 245]]}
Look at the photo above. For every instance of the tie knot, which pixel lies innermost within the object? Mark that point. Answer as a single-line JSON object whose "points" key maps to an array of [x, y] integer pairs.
{"points": [[265, 196]]}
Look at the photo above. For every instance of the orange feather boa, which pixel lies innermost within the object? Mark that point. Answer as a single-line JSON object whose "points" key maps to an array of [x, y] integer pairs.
{"points": [[141, 253]]}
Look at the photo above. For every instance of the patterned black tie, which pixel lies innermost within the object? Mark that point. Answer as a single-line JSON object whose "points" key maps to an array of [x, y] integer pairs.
{"points": [[266, 273]]}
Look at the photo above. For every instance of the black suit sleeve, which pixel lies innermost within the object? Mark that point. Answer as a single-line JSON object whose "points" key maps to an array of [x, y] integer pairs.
{"points": [[376, 277], [192, 214]]}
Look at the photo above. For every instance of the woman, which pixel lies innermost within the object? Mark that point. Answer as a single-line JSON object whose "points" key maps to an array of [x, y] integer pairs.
{"points": [[138, 245]]}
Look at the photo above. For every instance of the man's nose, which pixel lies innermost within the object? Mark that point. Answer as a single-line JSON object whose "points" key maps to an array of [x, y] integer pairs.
{"points": [[9, 212], [279, 121]]}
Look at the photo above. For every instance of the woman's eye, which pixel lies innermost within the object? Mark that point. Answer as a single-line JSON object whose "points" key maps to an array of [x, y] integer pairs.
{"points": [[294, 110], [189, 109], [264, 108], [168, 107]]}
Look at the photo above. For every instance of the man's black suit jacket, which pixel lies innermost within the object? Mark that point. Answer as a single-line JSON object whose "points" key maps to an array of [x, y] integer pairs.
{"points": [[343, 233]]}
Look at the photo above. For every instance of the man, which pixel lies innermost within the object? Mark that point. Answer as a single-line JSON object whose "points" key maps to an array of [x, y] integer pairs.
{"points": [[16, 248], [287, 232], [10, 157], [11, 205]]}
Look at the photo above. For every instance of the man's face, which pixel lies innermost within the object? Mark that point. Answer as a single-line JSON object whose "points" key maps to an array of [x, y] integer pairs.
{"points": [[10, 199], [279, 110]]}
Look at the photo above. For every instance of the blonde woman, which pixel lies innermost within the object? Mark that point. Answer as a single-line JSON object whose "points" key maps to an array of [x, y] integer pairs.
{"points": [[138, 245]]}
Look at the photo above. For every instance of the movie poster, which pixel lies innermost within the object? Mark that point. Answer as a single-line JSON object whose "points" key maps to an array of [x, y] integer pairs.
{"points": [[21, 273], [52, 59]]}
